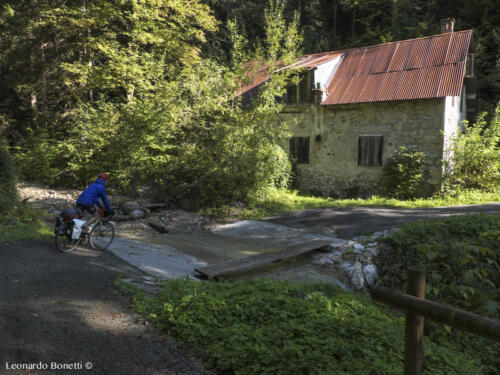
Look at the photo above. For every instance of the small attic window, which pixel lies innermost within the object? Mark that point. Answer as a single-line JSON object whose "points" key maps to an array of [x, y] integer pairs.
{"points": [[301, 93]]}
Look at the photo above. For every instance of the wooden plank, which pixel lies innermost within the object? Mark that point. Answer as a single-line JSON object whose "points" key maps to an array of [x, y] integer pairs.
{"points": [[254, 261], [452, 316]]}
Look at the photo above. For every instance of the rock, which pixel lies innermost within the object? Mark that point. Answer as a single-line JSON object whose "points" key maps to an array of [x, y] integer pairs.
{"points": [[137, 214], [365, 257], [371, 274], [361, 238], [342, 245], [118, 217], [331, 259], [356, 276], [153, 206], [130, 206], [358, 247], [373, 250], [371, 244], [158, 226], [355, 273], [377, 235]]}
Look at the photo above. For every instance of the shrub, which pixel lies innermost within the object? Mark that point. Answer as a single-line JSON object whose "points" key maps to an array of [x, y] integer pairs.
{"points": [[476, 155], [461, 256], [404, 174], [267, 327], [8, 191]]}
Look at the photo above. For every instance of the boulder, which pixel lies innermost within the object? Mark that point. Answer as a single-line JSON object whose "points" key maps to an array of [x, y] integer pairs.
{"points": [[137, 214], [371, 274], [355, 273], [358, 247], [130, 206]]}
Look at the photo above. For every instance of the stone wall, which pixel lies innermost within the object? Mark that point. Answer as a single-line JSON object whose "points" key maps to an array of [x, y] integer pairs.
{"points": [[334, 130]]}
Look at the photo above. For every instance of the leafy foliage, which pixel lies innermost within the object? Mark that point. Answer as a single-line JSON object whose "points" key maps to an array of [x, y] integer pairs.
{"points": [[476, 155], [17, 219], [404, 174], [8, 178], [266, 327], [130, 94], [461, 256]]}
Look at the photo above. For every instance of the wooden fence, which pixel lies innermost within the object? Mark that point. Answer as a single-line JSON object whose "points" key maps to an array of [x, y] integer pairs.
{"points": [[417, 308]]}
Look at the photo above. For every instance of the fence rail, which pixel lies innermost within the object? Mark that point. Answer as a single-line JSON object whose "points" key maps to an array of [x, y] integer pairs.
{"points": [[417, 308]]}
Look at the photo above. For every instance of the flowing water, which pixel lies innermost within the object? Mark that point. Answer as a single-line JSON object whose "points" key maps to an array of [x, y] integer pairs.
{"points": [[172, 255]]}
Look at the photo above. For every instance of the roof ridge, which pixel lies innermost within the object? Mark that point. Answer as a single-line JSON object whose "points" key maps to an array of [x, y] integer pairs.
{"points": [[384, 44]]}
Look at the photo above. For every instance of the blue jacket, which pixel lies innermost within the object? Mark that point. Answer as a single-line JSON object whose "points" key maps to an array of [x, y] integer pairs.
{"points": [[91, 195]]}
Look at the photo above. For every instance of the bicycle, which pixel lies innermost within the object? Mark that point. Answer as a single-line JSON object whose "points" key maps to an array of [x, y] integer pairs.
{"points": [[100, 235]]}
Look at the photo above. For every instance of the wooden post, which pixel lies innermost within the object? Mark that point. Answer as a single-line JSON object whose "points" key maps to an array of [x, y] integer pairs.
{"points": [[414, 332]]}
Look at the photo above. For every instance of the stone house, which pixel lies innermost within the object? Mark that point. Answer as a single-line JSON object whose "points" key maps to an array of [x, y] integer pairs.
{"points": [[352, 109]]}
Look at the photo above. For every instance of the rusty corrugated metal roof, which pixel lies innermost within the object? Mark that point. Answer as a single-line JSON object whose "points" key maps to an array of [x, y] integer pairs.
{"points": [[314, 60], [253, 78], [257, 75], [429, 67]]}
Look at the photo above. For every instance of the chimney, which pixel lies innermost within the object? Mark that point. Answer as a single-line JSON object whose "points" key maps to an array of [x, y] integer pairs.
{"points": [[447, 25]]}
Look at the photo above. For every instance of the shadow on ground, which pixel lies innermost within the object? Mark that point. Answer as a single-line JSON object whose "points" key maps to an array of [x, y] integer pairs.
{"points": [[63, 308]]}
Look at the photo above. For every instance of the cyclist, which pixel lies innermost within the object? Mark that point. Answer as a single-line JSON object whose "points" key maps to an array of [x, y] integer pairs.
{"points": [[91, 196]]}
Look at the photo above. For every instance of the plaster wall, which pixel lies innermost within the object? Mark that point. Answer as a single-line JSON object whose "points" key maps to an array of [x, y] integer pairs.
{"points": [[325, 72], [334, 130], [454, 114]]}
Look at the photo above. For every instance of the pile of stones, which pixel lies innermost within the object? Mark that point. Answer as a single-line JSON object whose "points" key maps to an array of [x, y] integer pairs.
{"points": [[356, 258]]}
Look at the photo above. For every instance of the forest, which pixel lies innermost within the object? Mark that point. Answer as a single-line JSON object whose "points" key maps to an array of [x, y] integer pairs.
{"points": [[145, 89]]}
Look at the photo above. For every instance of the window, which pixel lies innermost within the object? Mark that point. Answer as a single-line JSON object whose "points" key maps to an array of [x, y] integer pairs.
{"points": [[370, 151], [299, 149], [301, 93]]}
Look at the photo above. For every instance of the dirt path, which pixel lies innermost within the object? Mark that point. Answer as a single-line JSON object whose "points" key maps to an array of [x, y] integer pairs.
{"points": [[63, 308], [350, 222]]}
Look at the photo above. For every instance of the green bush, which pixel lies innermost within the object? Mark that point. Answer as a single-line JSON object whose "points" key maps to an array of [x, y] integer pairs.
{"points": [[8, 177], [267, 327], [461, 256], [476, 155], [404, 174]]}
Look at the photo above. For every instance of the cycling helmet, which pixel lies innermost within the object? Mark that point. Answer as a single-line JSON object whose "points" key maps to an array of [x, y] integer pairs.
{"points": [[103, 176]]}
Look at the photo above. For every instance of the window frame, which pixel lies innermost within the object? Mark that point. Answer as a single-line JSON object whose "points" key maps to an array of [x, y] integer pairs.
{"points": [[370, 150], [299, 149], [305, 84]]}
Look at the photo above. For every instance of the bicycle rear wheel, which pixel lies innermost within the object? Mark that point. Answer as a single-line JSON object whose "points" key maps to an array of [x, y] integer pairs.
{"points": [[102, 235], [65, 243]]}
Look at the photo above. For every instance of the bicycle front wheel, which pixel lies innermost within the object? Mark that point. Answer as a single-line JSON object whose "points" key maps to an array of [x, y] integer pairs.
{"points": [[102, 235]]}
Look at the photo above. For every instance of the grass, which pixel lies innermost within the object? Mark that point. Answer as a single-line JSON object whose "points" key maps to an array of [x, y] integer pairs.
{"points": [[278, 201], [23, 222]]}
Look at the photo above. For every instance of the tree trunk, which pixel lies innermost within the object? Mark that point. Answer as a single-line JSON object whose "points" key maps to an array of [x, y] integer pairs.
{"points": [[334, 24], [353, 23], [394, 14]]}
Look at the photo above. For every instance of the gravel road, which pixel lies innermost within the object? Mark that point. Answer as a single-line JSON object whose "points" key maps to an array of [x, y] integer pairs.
{"points": [[63, 308], [349, 222]]}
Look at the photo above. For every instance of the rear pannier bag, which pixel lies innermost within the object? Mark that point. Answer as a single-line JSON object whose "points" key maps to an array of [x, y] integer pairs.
{"points": [[71, 213]]}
